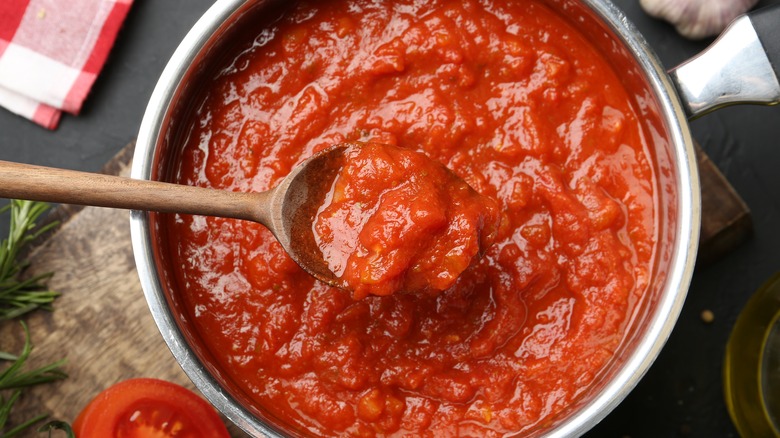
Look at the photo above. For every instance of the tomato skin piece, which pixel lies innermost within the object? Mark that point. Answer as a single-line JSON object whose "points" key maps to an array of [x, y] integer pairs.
{"points": [[148, 408]]}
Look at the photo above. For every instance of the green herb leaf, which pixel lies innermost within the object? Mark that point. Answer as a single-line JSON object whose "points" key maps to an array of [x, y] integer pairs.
{"points": [[18, 296], [22, 427], [5, 407], [13, 378]]}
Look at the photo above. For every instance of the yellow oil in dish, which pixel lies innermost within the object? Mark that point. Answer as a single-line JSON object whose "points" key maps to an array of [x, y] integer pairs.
{"points": [[751, 369]]}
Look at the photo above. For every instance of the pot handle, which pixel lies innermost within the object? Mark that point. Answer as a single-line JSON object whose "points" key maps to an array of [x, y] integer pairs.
{"points": [[741, 66]]}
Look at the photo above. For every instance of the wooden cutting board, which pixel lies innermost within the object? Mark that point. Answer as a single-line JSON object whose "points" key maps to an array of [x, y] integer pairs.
{"points": [[101, 323]]}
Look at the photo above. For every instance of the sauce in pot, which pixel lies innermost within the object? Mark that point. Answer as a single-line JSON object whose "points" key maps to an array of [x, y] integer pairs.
{"points": [[397, 221], [513, 100]]}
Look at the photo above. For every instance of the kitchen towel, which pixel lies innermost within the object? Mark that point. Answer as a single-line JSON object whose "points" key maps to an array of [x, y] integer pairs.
{"points": [[51, 52]]}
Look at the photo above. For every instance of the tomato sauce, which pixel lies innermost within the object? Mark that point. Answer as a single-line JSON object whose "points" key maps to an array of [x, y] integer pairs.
{"points": [[397, 221], [510, 97]]}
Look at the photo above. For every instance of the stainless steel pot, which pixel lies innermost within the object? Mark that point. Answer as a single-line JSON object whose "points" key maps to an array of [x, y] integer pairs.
{"points": [[737, 68]]}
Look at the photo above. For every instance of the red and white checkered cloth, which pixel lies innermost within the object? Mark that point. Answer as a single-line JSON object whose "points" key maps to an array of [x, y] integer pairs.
{"points": [[51, 52]]}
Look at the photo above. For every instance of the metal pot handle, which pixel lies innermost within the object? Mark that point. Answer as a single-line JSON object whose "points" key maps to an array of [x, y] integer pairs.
{"points": [[741, 66]]}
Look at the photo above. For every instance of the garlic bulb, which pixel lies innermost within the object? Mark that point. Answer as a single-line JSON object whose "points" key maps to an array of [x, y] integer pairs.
{"points": [[697, 19]]}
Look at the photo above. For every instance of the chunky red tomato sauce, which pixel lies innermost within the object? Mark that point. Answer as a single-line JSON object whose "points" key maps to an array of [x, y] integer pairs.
{"points": [[511, 98], [397, 221]]}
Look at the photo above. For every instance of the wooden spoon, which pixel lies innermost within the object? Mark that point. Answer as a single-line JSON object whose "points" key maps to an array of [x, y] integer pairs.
{"points": [[288, 209]]}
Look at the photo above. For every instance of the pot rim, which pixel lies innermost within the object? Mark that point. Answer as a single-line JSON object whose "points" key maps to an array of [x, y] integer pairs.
{"points": [[659, 324]]}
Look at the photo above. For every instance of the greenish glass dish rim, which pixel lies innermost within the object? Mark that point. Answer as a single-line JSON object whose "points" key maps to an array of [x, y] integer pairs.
{"points": [[743, 391]]}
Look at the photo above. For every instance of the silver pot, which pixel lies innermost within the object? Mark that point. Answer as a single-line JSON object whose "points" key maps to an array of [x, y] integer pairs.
{"points": [[735, 69]]}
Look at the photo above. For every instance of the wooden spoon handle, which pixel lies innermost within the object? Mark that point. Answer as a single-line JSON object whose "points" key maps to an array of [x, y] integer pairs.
{"points": [[38, 183]]}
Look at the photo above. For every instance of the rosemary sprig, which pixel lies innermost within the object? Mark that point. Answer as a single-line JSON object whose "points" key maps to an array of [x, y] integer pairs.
{"points": [[13, 379], [18, 296]]}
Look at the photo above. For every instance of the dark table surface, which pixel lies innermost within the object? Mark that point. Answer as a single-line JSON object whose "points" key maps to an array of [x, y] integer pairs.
{"points": [[682, 393]]}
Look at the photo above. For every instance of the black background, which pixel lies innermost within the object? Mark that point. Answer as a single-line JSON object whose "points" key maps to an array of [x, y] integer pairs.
{"points": [[682, 393]]}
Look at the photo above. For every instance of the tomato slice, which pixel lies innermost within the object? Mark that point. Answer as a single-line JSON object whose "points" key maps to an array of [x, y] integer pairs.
{"points": [[148, 408]]}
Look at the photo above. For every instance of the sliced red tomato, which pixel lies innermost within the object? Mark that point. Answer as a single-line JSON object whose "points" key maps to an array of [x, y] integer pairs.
{"points": [[148, 408]]}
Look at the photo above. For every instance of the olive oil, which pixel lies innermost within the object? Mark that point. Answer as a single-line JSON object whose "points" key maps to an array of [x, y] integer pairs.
{"points": [[751, 369]]}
